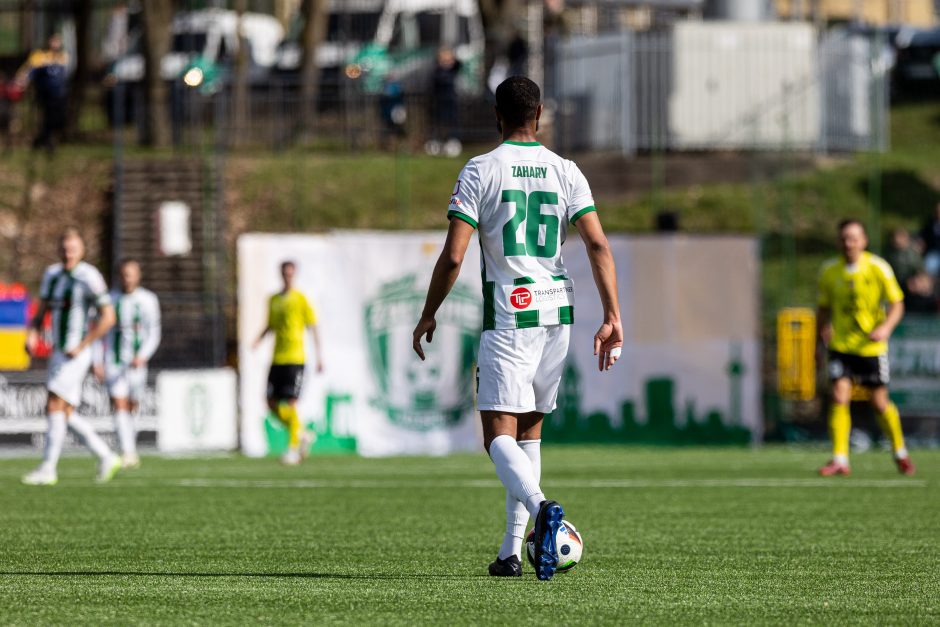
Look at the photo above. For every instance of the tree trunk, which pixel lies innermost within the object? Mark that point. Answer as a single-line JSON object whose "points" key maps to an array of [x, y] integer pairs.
{"points": [[240, 87], [82, 14], [157, 17], [315, 16]]}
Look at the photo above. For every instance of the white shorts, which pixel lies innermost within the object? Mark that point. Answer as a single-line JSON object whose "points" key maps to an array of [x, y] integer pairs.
{"points": [[519, 370], [67, 375], [125, 381]]}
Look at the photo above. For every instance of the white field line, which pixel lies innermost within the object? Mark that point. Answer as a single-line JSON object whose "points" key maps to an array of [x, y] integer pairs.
{"points": [[589, 484]]}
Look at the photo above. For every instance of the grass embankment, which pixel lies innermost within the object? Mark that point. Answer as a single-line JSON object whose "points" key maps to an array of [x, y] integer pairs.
{"points": [[304, 190]]}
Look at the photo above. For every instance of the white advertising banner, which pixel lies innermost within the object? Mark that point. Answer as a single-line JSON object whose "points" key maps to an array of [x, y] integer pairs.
{"points": [[690, 370], [374, 396], [198, 410]]}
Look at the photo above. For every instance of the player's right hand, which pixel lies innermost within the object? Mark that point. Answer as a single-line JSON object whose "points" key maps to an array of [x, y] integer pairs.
{"points": [[32, 341], [98, 371], [426, 327], [608, 338]]}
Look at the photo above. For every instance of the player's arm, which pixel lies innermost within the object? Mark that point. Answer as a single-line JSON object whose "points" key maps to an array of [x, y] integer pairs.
{"points": [[883, 331], [445, 274], [106, 320], [153, 336], [35, 327], [264, 331], [317, 351], [895, 298], [824, 324], [610, 334]]}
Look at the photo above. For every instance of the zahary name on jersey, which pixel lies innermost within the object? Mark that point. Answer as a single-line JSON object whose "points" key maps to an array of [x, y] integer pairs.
{"points": [[532, 172]]}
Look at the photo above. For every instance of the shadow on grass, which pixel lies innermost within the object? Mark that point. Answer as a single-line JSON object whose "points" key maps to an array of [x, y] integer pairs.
{"points": [[118, 573]]}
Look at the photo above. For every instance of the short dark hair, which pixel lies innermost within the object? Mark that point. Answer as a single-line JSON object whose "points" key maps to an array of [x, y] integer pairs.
{"points": [[850, 222], [517, 100], [127, 260], [290, 263]]}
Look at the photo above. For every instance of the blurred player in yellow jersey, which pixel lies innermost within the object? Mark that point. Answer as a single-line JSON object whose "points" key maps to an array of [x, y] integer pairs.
{"points": [[289, 315], [860, 304]]}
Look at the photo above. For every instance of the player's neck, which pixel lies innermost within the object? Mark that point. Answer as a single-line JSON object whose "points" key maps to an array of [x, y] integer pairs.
{"points": [[523, 135], [68, 267]]}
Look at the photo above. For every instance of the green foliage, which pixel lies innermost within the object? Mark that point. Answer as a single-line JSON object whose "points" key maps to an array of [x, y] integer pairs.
{"points": [[691, 536]]}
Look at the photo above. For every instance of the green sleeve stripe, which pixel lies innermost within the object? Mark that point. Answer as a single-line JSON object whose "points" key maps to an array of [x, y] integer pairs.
{"points": [[560, 277], [580, 213], [523, 280], [462, 216]]}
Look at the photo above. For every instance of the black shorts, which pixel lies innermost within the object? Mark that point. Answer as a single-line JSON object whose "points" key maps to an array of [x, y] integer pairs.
{"points": [[285, 381], [870, 372]]}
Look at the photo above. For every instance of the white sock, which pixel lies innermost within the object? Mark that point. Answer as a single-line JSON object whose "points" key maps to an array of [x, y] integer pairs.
{"points": [[901, 453], [124, 426], [92, 440], [55, 439], [515, 471], [516, 514], [841, 459]]}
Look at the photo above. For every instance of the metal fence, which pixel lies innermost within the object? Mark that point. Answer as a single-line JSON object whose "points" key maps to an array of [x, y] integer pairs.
{"points": [[718, 86]]}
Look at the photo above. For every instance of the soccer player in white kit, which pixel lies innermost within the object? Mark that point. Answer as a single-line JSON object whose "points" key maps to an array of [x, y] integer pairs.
{"points": [[521, 197], [121, 361], [71, 290]]}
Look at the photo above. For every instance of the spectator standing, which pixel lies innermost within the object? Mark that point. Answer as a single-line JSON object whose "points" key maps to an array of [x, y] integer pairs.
{"points": [[47, 70], [930, 235], [444, 105], [905, 260], [9, 93]]}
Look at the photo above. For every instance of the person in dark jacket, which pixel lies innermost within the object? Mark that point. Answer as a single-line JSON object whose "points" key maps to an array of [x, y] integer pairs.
{"points": [[47, 71]]}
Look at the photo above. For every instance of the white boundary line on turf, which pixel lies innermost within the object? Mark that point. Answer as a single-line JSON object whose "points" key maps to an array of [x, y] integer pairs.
{"points": [[599, 483]]}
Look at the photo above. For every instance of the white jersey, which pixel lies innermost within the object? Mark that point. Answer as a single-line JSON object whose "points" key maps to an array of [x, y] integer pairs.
{"points": [[136, 333], [522, 197], [71, 296]]}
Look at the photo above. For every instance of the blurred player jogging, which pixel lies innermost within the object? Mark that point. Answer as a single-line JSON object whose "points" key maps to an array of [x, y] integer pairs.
{"points": [[122, 356], [854, 290], [289, 314], [71, 290], [521, 197]]}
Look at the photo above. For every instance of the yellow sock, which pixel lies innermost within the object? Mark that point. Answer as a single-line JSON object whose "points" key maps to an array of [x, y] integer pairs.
{"points": [[288, 415], [840, 424], [890, 423]]}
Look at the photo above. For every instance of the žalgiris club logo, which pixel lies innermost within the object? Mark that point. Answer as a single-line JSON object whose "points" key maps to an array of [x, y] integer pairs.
{"points": [[438, 392], [520, 298]]}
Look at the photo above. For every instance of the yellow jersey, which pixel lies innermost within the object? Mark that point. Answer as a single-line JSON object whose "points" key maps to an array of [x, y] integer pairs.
{"points": [[856, 296], [288, 315]]}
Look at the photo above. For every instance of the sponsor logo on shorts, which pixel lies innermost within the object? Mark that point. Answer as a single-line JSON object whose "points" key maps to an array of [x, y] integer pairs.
{"points": [[520, 298]]}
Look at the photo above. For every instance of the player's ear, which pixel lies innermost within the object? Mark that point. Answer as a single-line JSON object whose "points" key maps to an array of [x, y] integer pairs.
{"points": [[538, 115], [499, 121]]}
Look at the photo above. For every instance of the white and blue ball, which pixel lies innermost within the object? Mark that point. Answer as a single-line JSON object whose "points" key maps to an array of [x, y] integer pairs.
{"points": [[569, 543]]}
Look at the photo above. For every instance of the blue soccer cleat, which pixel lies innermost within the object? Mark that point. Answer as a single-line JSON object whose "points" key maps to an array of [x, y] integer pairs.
{"points": [[546, 550]]}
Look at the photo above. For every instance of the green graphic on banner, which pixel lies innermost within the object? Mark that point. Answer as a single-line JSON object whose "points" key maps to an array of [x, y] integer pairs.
{"points": [[415, 395], [569, 424], [914, 357], [327, 441]]}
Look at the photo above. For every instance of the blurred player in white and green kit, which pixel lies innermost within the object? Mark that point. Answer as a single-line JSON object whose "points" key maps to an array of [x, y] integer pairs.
{"points": [[521, 198], [72, 290], [124, 353]]}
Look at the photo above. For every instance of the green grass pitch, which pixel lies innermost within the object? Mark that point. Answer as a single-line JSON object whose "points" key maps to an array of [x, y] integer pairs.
{"points": [[671, 537]]}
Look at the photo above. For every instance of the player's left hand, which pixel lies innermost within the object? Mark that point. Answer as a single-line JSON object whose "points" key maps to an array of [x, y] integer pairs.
{"points": [[72, 354], [608, 342], [138, 362], [879, 334], [426, 327]]}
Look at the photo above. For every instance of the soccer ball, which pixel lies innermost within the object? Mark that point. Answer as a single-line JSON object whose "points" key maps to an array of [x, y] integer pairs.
{"points": [[569, 543]]}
